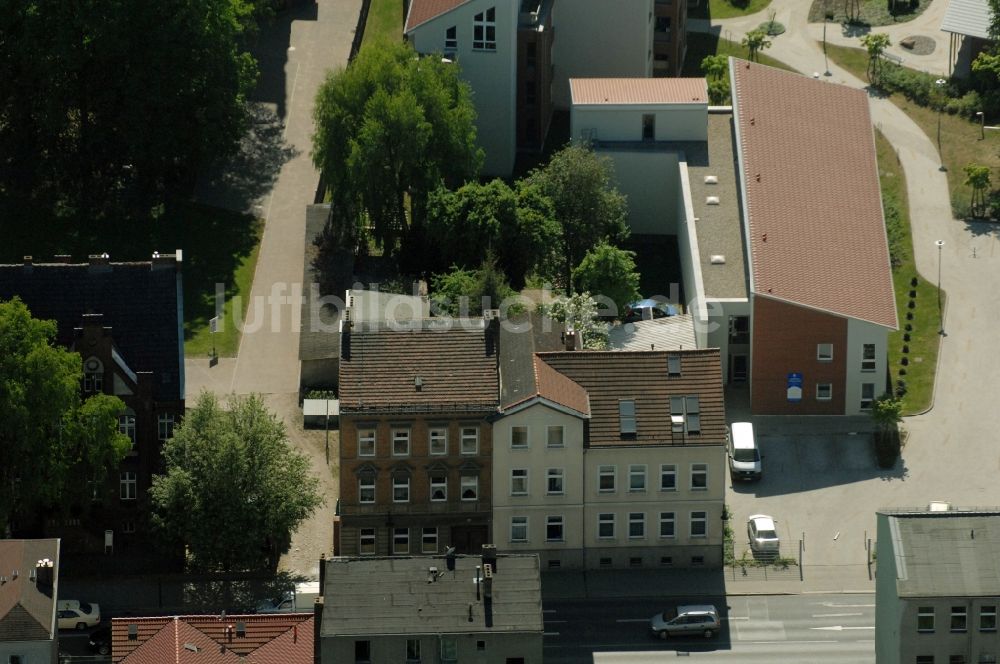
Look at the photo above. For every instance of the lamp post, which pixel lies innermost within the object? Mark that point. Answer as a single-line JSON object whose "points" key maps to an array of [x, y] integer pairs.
{"points": [[940, 86], [939, 244], [982, 125], [826, 61]]}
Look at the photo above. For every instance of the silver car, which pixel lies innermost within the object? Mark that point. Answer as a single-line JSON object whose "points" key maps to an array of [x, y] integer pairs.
{"points": [[763, 534], [686, 620]]}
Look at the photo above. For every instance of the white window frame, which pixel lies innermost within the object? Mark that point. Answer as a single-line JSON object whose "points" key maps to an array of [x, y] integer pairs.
{"points": [[866, 401], [517, 523], [165, 426], [558, 474], [562, 435], [366, 482], [606, 519], [519, 476], [519, 428], [438, 481], [639, 519], [400, 435], [668, 470], [429, 535], [93, 381], [367, 536], [400, 483], [438, 441], [824, 352], [963, 613], [671, 518], [688, 406], [451, 38], [412, 650], [553, 520], [924, 612], [128, 485], [469, 481], [607, 471], [703, 520], [636, 470], [126, 425], [673, 365], [819, 391], [699, 469], [128, 527], [987, 611], [365, 437], [474, 437], [400, 536], [627, 421], [868, 363], [481, 25]]}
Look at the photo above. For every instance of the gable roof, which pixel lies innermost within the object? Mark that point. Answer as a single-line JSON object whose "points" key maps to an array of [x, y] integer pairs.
{"points": [[967, 17], [522, 377], [422, 11], [816, 233], [141, 302], [639, 91], [611, 376], [27, 609], [270, 639], [457, 367], [552, 386]]}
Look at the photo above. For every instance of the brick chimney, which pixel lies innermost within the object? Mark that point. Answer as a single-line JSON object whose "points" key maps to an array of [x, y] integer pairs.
{"points": [[317, 630], [99, 263], [28, 264]]}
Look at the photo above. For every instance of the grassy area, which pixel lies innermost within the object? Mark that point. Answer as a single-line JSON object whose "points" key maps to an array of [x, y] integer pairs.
{"points": [[385, 22], [873, 12], [702, 44], [960, 138], [922, 339], [726, 8]]}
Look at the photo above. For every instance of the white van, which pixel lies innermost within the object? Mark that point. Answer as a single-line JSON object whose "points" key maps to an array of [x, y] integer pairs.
{"points": [[744, 457]]}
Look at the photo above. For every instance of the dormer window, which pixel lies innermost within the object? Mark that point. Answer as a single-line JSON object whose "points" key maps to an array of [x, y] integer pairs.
{"points": [[626, 417], [484, 30]]}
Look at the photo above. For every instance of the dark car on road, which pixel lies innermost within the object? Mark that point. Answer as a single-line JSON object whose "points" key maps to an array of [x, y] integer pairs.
{"points": [[100, 640]]}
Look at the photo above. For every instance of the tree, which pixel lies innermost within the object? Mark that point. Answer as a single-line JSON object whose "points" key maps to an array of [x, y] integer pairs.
{"points": [[580, 313], [977, 177], [755, 42], [52, 443], [609, 271], [234, 490], [716, 70], [585, 202], [462, 292], [109, 107], [875, 43], [391, 128]]}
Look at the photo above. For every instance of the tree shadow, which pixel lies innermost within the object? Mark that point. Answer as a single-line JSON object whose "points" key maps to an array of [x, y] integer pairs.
{"points": [[982, 227], [855, 29]]}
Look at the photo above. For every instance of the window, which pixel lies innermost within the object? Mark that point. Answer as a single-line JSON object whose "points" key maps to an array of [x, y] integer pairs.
{"points": [[606, 526], [367, 538], [401, 489], [554, 529], [987, 658], [451, 38], [688, 408], [868, 357], [667, 524], [554, 481], [366, 488], [470, 440], [519, 482], [666, 561], [470, 487], [15, 659], [366, 442], [518, 529], [362, 651], [127, 485], [439, 441], [519, 436], [824, 391], [635, 561], [400, 541], [673, 365], [697, 561], [958, 619], [126, 425], [636, 478], [988, 618], [606, 479], [867, 395], [626, 417], [484, 30], [739, 329], [925, 659], [636, 525], [481, 645], [699, 524], [555, 436], [93, 375], [429, 540], [605, 562], [824, 352], [449, 649], [956, 659], [439, 487], [128, 527], [668, 477], [648, 126], [925, 619], [555, 564], [699, 476], [165, 426], [400, 442]]}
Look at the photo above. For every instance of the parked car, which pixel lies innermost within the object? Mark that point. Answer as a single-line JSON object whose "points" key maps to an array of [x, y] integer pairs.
{"points": [[695, 619], [74, 614], [648, 310], [745, 461], [100, 640], [762, 533]]}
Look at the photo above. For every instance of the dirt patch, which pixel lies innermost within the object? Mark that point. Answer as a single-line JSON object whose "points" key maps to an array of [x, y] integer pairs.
{"points": [[918, 44]]}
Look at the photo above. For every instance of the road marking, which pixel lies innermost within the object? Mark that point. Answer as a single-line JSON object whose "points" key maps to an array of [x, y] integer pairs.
{"points": [[836, 615], [840, 628], [738, 618], [793, 642], [630, 620], [847, 606]]}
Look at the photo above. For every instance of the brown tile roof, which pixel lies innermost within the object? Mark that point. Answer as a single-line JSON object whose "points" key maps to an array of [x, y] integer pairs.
{"points": [[26, 610], [422, 11], [614, 375], [638, 90], [457, 368], [557, 388], [816, 231], [270, 639]]}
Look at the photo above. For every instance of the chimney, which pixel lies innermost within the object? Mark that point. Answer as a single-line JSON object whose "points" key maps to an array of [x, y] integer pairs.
{"points": [[317, 631], [492, 319], [490, 556], [345, 337], [488, 581], [164, 261], [572, 339], [449, 558], [44, 576], [28, 264], [322, 573], [99, 263]]}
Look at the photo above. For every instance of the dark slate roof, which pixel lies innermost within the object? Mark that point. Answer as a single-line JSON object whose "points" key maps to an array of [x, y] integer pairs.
{"points": [[26, 611], [457, 367], [520, 338], [609, 376], [142, 306], [392, 596]]}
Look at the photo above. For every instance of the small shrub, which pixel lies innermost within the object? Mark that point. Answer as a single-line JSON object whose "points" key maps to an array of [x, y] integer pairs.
{"points": [[909, 315], [906, 336], [912, 304], [900, 388], [909, 327], [904, 361], [902, 371], [964, 106], [906, 348], [914, 282], [913, 294]]}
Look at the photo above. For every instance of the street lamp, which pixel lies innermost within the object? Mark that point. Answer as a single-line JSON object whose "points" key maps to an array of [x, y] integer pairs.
{"points": [[982, 125], [940, 85], [939, 244], [826, 61]]}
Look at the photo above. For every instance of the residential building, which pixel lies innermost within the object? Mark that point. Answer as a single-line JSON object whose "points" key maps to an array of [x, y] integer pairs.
{"points": [[29, 632], [784, 256], [967, 23], [598, 466], [289, 638], [430, 609], [126, 320], [415, 439], [938, 587]]}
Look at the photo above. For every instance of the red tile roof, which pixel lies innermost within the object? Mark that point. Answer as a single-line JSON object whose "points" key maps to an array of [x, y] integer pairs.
{"points": [[817, 235], [557, 388], [638, 90], [270, 639], [422, 11]]}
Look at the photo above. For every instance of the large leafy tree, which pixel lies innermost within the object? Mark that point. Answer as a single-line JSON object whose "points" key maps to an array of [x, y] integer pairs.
{"points": [[234, 490], [110, 107], [610, 272], [391, 128], [52, 443], [585, 202]]}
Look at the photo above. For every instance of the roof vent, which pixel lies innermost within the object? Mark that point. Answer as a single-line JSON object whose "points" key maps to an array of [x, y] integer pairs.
{"points": [[190, 646], [718, 259], [13, 575], [711, 179], [939, 506], [711, 200], [418, 383]]}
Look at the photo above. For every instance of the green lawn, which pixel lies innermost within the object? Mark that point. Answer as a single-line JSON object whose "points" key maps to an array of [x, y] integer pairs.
{"points": [[873, 12], [702, 44], [923, 336], [726, 8], [385, 22]]}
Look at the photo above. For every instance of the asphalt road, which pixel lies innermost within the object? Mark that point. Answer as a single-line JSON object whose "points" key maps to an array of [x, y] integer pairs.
{"points": [[820, 628]]}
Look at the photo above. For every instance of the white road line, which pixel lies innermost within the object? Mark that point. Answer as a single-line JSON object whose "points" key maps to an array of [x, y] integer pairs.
{"points": [[631, 620], [740, 618], [847, 606], [840, 628], [792, 642], [836, 615]]}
